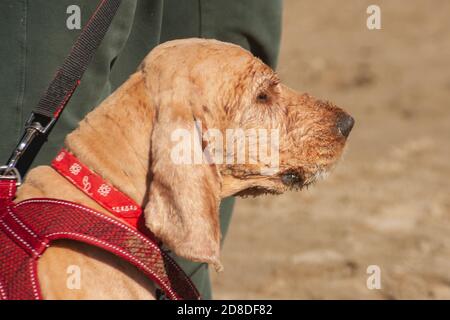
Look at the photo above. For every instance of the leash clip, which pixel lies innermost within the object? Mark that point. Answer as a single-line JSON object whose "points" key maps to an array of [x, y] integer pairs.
{"points": [[7, 173], [33, 128]]}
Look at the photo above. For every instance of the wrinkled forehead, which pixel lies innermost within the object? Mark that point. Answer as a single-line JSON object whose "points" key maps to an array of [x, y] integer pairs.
{"points": [[211, 67], [205, 56]]}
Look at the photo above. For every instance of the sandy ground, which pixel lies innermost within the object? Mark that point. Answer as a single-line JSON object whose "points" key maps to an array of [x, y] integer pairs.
{"points": [[387, 203]]}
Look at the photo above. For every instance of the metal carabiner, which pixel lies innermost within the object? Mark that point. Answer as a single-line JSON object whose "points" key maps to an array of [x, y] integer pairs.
{"points": [[8, 173]]}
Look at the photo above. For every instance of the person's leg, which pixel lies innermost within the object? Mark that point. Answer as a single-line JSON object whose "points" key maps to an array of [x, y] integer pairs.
{"points": [[144, 36], [252, 24]]}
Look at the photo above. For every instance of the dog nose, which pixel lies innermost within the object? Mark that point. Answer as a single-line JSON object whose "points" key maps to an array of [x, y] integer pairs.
{"points": [[345, 124]]}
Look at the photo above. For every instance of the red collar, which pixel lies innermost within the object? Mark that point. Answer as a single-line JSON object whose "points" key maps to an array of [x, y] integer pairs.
{"points": [[97, 188]]}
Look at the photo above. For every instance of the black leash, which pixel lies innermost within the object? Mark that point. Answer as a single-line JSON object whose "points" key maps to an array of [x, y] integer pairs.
{"points": [[60, 90]]}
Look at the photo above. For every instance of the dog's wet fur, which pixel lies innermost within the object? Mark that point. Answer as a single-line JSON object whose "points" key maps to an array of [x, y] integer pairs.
{"points": [[127, 141]]}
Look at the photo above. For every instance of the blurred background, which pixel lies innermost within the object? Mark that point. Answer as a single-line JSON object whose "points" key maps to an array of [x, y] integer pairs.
{"points": [[387, 203]]}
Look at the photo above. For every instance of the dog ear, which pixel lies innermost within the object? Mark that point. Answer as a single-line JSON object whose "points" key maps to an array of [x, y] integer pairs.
{"points": [[184, 197]]}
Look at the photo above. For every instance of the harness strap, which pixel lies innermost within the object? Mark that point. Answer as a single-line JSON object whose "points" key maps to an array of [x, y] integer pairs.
{"points": [[29, 227], [17, 259]]}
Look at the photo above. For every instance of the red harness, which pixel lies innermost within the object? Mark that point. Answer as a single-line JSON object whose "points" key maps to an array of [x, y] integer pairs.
{"points": [[28, 228]]}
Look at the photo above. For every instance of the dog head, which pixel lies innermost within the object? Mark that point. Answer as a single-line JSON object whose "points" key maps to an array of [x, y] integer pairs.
{"points": [[225, 125]]}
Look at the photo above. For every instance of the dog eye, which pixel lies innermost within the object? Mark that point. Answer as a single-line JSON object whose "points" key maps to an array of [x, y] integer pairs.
{"points": [[290, 178], [262, 97]]}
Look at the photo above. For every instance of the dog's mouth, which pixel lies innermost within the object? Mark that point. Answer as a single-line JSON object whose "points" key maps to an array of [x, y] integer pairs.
{"points": [[293, 179], [257, 191], [290, 180]]}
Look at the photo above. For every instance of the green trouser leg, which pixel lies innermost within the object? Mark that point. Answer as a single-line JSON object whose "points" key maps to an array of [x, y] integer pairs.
{"points": [[252, 24]]}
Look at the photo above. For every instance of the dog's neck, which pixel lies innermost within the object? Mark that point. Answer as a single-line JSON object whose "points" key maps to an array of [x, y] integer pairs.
{"points": [[114, 139]]}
